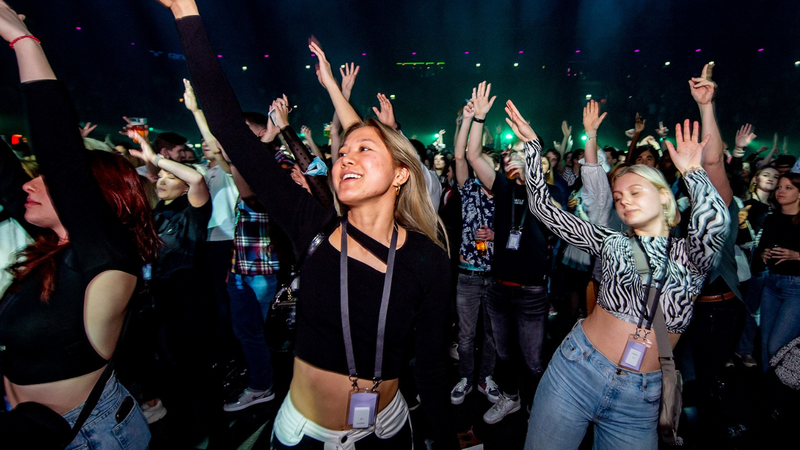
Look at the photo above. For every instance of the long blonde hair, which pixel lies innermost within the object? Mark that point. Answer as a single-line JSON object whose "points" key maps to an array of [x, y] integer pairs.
{"points": [[656, 178], [413, 208]]}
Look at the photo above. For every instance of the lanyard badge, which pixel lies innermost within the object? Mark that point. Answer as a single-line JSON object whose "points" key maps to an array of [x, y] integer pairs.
{"points": [[515, 235], [362, 405]]}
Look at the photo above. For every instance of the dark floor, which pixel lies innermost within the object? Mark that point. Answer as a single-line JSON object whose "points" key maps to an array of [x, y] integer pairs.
{"points": [[742, 419]]}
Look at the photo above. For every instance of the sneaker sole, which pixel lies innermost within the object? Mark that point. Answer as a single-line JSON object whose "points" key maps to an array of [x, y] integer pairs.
{"points": [[153, 418], [235, 408], [511, 411]]}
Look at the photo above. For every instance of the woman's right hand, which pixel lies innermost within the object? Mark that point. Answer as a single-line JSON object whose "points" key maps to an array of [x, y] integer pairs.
{"points": [[324, 71], [12, 25], [481, 101], [146, 153], [689, 152], [592, 118]]}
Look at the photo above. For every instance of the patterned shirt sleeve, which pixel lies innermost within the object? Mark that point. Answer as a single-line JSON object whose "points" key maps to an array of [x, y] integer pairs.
{"points": [[708, 223], [580, 233]]}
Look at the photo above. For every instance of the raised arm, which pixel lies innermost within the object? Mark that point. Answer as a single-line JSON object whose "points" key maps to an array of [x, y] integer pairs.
{"points": [[703, 91], [190, 102], [460, 151], [597, 197], [709, 218], [198, 190], [347, 115], [572, 229], [349, 73], [96, 233], [306, 132], [318, 185], [638, 128], [482, 104], [299, 214]]}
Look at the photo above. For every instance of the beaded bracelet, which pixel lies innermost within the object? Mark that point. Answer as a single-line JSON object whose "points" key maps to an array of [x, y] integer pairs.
{"points": [[27, 36]]}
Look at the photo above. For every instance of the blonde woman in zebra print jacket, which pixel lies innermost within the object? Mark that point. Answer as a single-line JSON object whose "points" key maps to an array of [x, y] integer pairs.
{"points": [[584, 382]]}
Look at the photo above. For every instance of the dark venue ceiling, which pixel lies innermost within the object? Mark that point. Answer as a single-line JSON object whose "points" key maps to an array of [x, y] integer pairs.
{"points": [[122, 57]]}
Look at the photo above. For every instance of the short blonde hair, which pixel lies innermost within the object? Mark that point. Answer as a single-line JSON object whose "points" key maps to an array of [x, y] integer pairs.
{"points": [[656, 178]]}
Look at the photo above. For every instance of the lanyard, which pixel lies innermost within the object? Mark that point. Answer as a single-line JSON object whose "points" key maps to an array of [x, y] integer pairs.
{"points": [[659, 284], [344, 296], [514, 211]]}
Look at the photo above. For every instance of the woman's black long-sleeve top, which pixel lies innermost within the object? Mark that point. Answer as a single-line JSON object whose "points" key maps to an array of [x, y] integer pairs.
{"points": [[418, 304]]}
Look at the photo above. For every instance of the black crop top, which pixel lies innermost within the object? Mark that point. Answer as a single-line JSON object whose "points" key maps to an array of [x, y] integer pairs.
{"points": [[420, 290], [46, 342]]}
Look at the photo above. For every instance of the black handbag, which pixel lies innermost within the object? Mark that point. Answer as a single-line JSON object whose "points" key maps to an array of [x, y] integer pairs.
{"points": [[279, 327]]}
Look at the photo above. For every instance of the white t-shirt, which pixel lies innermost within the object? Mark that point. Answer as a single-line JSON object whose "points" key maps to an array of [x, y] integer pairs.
{"points": [[222, 225]]}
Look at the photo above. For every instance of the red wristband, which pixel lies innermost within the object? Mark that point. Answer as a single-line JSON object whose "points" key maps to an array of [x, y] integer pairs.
{"points": [[27, 36]]}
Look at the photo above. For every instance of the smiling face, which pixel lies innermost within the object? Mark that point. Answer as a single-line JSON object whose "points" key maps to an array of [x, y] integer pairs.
{"points": [[786, 194], [640, 204], [365, 169], [766, 180], [169, 187], [39, 208]]}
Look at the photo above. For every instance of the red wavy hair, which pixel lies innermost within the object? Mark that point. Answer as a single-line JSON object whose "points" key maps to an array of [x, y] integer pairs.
{"points": [[123, 191]]}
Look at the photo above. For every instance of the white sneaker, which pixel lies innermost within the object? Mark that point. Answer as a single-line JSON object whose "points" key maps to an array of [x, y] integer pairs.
{"points": [[502, 408], [249, 398], [153, 413], [489, 389], [460, 391]]}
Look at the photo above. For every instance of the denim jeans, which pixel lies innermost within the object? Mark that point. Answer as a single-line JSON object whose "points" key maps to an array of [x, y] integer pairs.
{"points": [[470, 301], [752, 301], [102, 431], [582, 386], [250, 297], [518, 318], [780, 314]]}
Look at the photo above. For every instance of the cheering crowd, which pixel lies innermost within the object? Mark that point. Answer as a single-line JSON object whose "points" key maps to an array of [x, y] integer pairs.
{"points": [[138, 270]]}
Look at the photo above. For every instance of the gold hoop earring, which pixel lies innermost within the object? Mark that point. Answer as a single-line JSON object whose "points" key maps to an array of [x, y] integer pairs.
{"points": [[397, 190]]}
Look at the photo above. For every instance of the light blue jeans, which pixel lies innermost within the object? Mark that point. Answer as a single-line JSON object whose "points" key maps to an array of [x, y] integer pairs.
{"points": [[780, 313], [104, 430], [582, 386]]}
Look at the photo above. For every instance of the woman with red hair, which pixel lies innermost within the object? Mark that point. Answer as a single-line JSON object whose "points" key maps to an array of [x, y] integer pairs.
{"points": [[62, 316]]}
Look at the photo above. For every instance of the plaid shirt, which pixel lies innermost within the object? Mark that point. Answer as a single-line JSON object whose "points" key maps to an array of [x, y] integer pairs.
{"points": [[253, 253]]}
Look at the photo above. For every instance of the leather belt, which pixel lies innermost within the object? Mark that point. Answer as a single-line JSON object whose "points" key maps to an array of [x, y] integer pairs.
{"points": [[478, 273], [715, 298]]}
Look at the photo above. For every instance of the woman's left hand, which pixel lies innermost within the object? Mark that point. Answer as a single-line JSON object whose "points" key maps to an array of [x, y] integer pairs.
{"points": [[324, 71], [146, 153], [12, 25], [784, 254], [689, 152]]}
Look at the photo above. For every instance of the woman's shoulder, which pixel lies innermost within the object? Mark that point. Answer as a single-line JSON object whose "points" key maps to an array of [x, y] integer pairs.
{"points": [[423, 250]]}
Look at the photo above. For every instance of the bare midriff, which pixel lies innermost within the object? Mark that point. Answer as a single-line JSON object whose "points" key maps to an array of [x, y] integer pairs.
{"points": [[61, 396], [321, 396], [609, 335]]}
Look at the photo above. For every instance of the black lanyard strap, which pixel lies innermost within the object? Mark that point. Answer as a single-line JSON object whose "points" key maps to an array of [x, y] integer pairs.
{"points": [[514, 211], [651, 302], [344, 299]]}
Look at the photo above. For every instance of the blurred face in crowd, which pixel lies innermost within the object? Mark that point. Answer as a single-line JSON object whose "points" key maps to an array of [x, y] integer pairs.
{"points": [[646, 158], [121, 149], [39, 208], [638, 202], [438, 162], [787, 193], [545, 165], [553, 157], [169, 187], [258, 130], [783, 169], [610, 157], [767, 179], [365, 168], [577, 155], [746, 170]]}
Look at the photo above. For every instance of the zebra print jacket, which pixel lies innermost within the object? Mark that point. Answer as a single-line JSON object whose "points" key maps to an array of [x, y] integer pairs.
{"points": [[621, 289]]}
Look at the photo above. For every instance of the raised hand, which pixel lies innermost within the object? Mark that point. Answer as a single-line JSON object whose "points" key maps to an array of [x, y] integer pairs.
{"points": [[88, 128], [180, 8], [146, 153], [145, 134], [324, 72], [703, 89], [306, 132], [638, 127], [386, 113], [481, 100], [785, 147], [281, 115], [12, 25], [189, 99], [662, 131], [469, 111], [349, 73], [744, 136], [688, 154], [566, 129], [592, 118], [520, 126]]}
